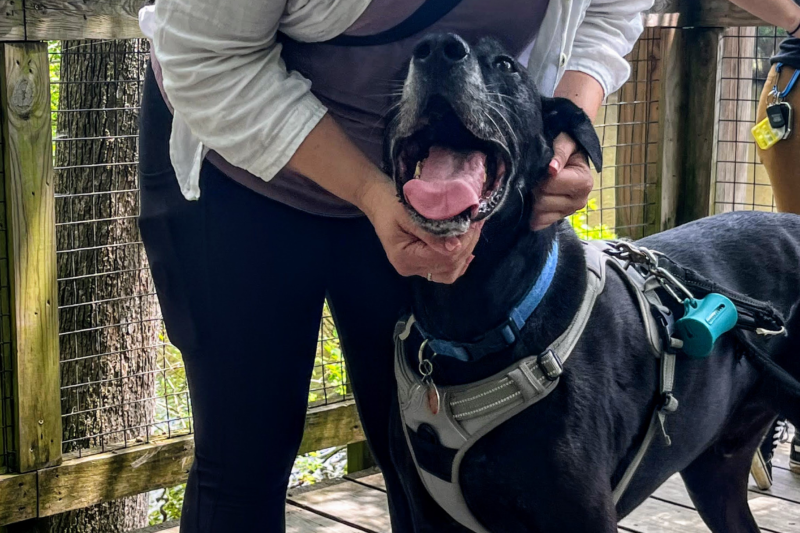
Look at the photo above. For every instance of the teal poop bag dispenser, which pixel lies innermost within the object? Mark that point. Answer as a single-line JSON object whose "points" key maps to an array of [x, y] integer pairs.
{"points": [[704, 321]]}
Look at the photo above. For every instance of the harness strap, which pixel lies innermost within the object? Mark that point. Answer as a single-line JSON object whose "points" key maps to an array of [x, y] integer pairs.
{"points": [[428, 14], [657, 422]]}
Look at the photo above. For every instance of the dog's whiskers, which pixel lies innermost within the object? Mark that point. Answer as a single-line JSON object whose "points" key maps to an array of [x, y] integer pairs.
{"points": [[498, 130], [511, 131]]}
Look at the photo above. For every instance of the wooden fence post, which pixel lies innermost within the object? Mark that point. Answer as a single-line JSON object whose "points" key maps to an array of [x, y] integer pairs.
{"points": [[359, 457], [688, 122], [30, 202]]}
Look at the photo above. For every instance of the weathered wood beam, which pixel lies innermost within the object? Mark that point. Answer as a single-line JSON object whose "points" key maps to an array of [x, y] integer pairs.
{"points": [[30, 201], [688, 122], [17, 498], [80, 483], [670, 136], [56, 20], [109, 476], [12, 20]]}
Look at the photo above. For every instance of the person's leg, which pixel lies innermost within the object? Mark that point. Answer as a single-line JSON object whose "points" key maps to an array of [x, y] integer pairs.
{"points": [[367, 297], [241, 291], [781, 161]]}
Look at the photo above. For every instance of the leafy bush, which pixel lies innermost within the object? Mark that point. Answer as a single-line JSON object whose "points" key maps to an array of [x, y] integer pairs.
{"points": [[580, 221]]}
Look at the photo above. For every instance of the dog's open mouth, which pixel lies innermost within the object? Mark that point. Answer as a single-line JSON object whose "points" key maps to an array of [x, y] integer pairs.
{"points": [[447, 172]]}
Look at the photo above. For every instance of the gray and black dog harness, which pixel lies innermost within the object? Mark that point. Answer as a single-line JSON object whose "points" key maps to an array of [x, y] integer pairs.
{"points": [[446, 422]]}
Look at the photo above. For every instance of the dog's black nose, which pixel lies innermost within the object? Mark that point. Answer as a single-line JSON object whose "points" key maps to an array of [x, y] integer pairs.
{"points": [[447, 48]]}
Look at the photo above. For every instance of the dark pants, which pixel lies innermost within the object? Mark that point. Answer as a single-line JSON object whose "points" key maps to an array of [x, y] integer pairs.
{"points": [[241, 280]]}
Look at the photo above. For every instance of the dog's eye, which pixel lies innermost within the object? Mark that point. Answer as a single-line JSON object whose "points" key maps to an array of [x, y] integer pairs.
{"points": [[505, 65]]}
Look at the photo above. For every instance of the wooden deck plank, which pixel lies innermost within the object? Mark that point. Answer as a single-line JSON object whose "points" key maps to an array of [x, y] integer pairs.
{"points": [[677, 511], [781, 458], [785, 485], [301, 521], [770, 512], [297, 521], [655, 516], [360, 501], [353, 503], [375, 481]]}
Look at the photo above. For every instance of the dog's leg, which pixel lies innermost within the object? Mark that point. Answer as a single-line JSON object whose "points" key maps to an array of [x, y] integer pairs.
{"points": [[717, 480]]}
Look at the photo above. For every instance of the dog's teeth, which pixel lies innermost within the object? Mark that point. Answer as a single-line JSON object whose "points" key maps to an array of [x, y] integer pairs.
{"points": [[485, 177], [418, 171]]}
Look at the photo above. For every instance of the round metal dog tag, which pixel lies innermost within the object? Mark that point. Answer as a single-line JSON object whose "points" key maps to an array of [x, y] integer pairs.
{"points": [[434, 401]]}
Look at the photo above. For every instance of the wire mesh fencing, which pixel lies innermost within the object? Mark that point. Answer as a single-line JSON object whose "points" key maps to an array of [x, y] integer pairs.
{"points": [[122, 383], [624, 198], [7, 441], [741, 181]]}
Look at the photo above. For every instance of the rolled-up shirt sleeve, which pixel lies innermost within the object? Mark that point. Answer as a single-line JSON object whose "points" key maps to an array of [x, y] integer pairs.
{"points": [[224, 76], [608, 33]]}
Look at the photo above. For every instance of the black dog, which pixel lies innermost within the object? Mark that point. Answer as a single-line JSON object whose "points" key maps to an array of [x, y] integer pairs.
{"points": [[467, 110]]}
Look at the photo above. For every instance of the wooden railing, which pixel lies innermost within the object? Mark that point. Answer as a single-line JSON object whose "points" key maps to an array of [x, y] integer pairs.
{"points": [[42, 484]]}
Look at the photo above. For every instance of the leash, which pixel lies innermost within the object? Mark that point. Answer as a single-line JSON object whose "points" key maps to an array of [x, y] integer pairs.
{"points": [[717, 312], [751, 314]]}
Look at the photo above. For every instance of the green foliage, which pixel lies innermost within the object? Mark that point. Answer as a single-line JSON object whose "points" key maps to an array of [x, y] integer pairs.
{"points": [[54, 57], [318, 466], [329, 378], [165, 505], [173, 407], [580, 222]]}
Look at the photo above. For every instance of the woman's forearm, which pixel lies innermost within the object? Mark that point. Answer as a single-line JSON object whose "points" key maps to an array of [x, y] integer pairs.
{"points": [[783, 13], [328, 157], [582, 89]]}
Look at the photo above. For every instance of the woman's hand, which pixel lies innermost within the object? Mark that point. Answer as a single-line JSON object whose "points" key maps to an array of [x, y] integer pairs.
{"points": [[411, 250], [568, 185]]}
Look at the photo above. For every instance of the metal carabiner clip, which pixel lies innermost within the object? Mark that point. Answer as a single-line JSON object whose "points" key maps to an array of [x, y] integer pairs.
{"points": [[664, 274]]}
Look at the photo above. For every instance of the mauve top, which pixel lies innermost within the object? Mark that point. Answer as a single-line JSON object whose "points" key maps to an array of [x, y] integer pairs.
{"points": [[357, 84]]}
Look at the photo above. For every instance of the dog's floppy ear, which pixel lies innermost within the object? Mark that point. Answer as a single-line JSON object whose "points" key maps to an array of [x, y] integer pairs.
{"points": [[561, 115]]}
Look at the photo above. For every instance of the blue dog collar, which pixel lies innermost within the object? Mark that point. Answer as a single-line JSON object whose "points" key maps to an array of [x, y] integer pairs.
{"points": [[507, 333]]}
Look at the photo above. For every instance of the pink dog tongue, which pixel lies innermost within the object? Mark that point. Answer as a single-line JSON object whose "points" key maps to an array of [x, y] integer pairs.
{"points": [[450, 183]]}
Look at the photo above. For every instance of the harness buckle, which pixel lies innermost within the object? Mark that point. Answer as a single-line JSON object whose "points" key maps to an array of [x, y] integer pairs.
{"points": [[669, 403], [551, 365]]}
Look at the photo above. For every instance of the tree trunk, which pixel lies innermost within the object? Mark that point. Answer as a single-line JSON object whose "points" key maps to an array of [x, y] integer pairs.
{"points": [[108, 310]]}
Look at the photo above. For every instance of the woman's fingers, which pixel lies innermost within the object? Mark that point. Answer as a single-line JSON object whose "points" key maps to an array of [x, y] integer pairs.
{"points": [[563, 148], [566, 190], [452, 276], [413, 251]]}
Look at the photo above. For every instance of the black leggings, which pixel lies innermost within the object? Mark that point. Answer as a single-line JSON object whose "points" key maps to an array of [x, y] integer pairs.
{"points": [[241, 280]]}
